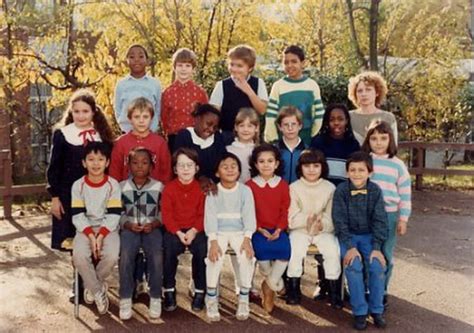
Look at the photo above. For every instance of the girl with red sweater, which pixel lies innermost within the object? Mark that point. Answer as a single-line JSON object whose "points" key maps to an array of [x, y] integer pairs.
{"points": [[272, 200], [182, 206]]}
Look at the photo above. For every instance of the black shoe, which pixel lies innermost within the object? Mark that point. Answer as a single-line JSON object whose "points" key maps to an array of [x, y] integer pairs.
{"points": [[360, 323], [379, 320], [385, 302], [198, 302], [324, 291], [335, 294], [170, 301], [293, 293]]}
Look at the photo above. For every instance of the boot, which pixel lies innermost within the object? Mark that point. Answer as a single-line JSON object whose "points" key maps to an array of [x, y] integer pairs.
{"points": [[293, 295], [322, 282], [335, 293]]}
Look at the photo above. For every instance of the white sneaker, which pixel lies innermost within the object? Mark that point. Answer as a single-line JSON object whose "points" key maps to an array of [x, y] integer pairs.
{"points": [[102, 301], [89, 296], [243, 310], [212, 307], [125, 312], [155, 308]]}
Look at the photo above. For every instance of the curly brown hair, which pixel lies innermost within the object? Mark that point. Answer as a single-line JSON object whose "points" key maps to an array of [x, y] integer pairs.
{"points": [[370, 78], [99, 120]]}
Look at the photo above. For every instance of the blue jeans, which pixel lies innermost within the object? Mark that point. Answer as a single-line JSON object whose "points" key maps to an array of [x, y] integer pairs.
{"points": [[152, 244], [389, 245], [355, 278]]}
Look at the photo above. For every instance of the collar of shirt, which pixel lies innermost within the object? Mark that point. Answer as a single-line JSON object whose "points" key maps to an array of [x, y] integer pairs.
{"points": [[248, 78], [197, 140], [144, 77], [187, 84], [307, 183], [228, 190], [383, 156], [272, 182], [73, 135], [288, 147], [138, 137], [239, 144]]}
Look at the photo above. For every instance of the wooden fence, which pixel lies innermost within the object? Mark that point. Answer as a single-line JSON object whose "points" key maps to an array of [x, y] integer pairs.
{"points": [[417, 150]]}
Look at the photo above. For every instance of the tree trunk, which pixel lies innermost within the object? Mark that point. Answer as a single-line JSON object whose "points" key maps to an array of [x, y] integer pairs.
{"points": [[373, 30], [354, 40]]}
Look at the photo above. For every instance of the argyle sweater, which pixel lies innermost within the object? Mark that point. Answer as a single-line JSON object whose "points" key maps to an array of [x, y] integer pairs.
{"points": [[141, 205]]}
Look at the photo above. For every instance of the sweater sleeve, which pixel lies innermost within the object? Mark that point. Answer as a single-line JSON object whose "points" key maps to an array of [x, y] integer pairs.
{"points": [[297, 219], [199, 223], [78, 210], [284, 206], [167, 210], [248, 212], [404, 191], [271, 132], [117, 102], [317, 111], [210, 217], [55, 168], [379, 221], [116, 162], [182, 140], [165, 112], [113, 210], [328, 225], [156, 119], [341, 218], [164, 163]]}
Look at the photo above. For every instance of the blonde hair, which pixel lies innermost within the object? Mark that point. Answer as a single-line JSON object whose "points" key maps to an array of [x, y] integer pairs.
{"points": [[373, 79], [245, 53], [184, 55], [288, 111], [252, 116], [141, 104]]}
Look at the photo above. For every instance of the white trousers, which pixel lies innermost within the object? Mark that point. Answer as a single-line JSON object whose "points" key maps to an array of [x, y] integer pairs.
{"points": [[245, 265], [327, 245]]}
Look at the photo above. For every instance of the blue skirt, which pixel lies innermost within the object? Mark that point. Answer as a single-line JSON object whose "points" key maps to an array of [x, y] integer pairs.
{"points": [[271, 250]]}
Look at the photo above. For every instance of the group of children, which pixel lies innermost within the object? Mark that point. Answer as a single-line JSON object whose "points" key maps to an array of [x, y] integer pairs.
{"points": [[209, 184]]}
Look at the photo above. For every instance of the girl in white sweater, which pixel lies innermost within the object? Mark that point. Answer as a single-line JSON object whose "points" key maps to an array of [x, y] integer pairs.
{"points": [[310, 222]]}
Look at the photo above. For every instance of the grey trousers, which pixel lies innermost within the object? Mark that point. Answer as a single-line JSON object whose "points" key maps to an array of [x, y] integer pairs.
{"points": [[94, 277]]}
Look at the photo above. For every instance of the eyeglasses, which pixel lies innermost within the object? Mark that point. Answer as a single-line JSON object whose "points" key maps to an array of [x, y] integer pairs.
{"points": [[183, 166], [289, 125]]}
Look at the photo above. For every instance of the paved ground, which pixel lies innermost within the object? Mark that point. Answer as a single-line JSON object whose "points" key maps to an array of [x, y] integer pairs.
{"points": [[432, 286]]}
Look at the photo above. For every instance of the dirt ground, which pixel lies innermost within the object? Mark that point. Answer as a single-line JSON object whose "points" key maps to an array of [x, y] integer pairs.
{"points": [[432, 288]]}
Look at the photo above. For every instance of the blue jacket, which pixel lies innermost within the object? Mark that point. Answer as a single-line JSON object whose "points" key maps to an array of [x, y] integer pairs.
{"points": [[290, 160], [359, 213]]}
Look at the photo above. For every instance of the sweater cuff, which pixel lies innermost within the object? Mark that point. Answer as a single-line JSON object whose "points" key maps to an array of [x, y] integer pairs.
{"points": [[87, 231], [104, 231], [248, 234], [212, 236]]}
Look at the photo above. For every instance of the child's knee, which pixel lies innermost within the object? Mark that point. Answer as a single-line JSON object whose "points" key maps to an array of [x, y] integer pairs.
{"points": [[375, 267], [356, 267]]}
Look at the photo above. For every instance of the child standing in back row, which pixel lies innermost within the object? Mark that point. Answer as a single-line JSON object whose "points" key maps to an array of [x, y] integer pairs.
{"points": [[137, 84], [240, 90], [297, 90], [180, 98], [391, 174]]}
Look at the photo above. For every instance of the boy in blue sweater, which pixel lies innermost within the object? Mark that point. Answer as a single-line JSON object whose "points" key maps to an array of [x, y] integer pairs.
{"points": [[361, 226]]}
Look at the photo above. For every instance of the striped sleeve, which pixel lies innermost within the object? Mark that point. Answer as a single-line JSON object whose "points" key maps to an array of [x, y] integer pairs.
{"points": [[317, 111], [404, 191], [78, 208], [271, 132]]}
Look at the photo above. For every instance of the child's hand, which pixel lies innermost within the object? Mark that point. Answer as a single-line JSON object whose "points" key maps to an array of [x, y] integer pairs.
{"points": [[350, 256], [99, 245], [275, 235], [57, 208], [182, 237], [190, 235], [214, 251], [265, 233], [133, 227], [377, 254], [242, 84], [247, 248], [207, 185], [402, 228], [309, 222], [319, 223], [93, 245]]}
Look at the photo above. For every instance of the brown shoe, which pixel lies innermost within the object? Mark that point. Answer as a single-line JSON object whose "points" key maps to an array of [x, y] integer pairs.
{"points": [[268, 301]]}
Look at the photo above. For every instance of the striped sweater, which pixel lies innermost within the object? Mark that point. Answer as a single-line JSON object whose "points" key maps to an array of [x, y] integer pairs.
{"points": [[303, 94], [392, 176], [96, 205]]}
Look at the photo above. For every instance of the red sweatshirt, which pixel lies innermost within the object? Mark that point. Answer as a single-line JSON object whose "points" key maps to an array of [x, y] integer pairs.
{"points": [[156, 144], [272, 201], [182, 206]]}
